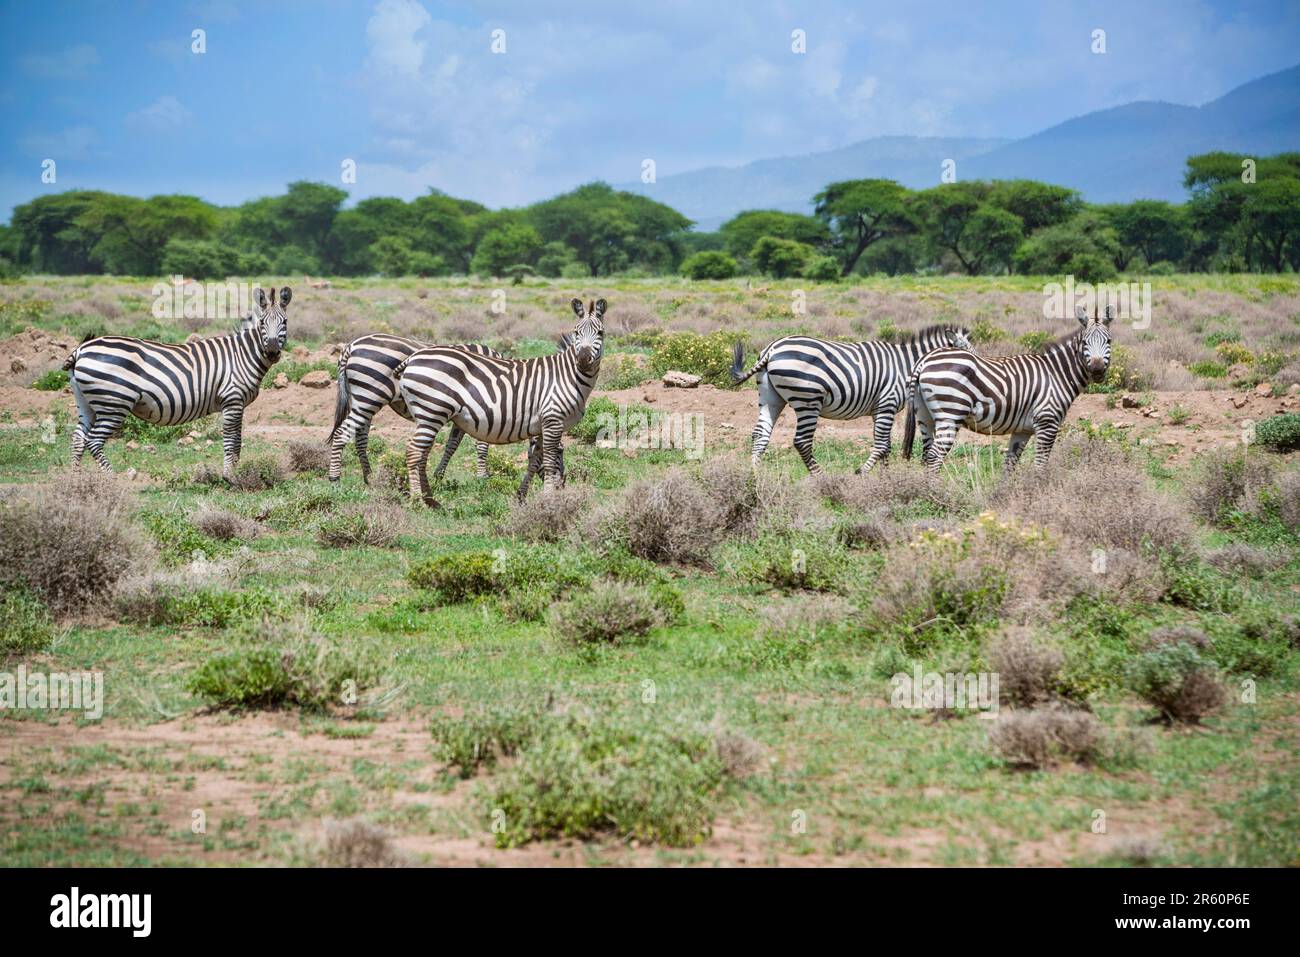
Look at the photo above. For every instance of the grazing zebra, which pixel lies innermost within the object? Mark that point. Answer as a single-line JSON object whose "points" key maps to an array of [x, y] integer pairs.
{"points": [[113, 376], [367, 382], [837, 380], [502, 400], [1024, 396]]}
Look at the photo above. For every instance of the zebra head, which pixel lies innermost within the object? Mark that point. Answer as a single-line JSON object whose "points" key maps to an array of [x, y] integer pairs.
{"points": [[588, 334], [269, 320], [1094, 343], [959, 338]]}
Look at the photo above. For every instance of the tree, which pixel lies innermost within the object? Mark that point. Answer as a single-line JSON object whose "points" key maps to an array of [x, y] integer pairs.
{"points": [[739, 233], [50, 238], [1272, 214], [391, 255], [709, 264], [780, 257], [1071, 248], [354, 231], [860, 212], [509, 245], [306, 212], [609, 230], [958, 220], [1037, 204], [1155, 229]]}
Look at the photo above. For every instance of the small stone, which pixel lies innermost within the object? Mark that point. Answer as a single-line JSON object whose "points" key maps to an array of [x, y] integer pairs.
{"points": [[647, 398], [185, 440], [1295, 389], [316, 379], [1264, 389], [1238, 401], [281, 381], [1128, 401], [133, 445], [301, 352], [131, 473], [16, 364], [681, 380], [195, 434]]}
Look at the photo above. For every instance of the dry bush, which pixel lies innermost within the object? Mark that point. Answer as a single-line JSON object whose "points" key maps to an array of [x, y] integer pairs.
{"points": [[739, 754], [72, 540], [357, 843], [376, 524], [803, 617], [1179, 635], [224, 525], [1178, 679], [1226, 478], [257, 474], [1026, 668], [1092, 492], [889, 489], [548, 517], [610, 613], [308, 457], [1242, 559], [671, 518], [1139, 850], [1288, 499], [1040, 738]]}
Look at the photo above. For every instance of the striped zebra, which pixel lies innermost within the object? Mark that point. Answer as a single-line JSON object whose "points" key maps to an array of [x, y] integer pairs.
{"points": [[837, 380], [367, 382], [1024, 396], [502, 400], [116, 376]]}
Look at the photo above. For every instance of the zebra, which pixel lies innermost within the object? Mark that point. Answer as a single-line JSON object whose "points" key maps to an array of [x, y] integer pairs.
{"points": [[113, 376], [502, 400], [367, 383], [836, 380], [1024, 396]]}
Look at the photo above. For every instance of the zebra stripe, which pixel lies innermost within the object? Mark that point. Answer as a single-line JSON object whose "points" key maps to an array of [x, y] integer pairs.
{"points": [[1024, 396], [114, 376], [502, 400], [366, 383], [836, 380]]}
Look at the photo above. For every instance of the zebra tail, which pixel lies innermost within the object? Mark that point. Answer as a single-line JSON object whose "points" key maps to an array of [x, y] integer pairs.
{"points": [[343, 399], [738, 375], [909, 428]]}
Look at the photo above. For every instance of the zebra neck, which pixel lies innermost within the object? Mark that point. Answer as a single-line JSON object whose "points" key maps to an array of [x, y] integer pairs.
{"points": [[1068, 359], [250, 349]]}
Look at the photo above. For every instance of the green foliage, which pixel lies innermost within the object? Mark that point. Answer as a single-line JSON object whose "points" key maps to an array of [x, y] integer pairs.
{"points": [[54, 380], [709, 264], [707, 356], [1279, 433], [304, 672], [1177, 680], [26, 625], [459, 576], [822, 269], [177, 537], [794, 562], [780, 258], [612, 612], [480, 737]]}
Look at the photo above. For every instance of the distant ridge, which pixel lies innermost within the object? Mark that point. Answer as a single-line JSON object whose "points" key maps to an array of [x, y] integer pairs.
{"points": [[1134, 151]]}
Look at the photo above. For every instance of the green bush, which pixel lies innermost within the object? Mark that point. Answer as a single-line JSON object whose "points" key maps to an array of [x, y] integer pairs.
{"points": [[709, 264], [1178, 681], [1208, 369], [582, 776], [178, 538], [25, 623], [482, 736], [614, 612], [780, 258], [822, 269], [794, 562], [707, 356], [1280, 433], [456, 578], [52, 381]]}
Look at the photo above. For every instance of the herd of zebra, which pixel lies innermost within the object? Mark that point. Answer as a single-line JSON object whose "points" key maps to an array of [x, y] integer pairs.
{"points": [[936, 374]]}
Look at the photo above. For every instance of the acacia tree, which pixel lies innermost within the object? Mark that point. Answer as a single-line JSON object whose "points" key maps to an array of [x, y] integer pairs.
{"points": [[860, 212], [958, 220]]}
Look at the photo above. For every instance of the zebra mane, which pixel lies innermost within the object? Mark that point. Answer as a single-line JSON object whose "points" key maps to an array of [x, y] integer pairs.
{"points": [[1056, 343], [929, 332]]}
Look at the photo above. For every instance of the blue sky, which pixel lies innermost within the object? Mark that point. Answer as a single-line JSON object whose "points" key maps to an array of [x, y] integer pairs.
{"points": [[584, 90]]}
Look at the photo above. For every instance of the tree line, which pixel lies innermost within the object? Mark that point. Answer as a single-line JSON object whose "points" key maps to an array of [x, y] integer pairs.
{"points": [[1241, 215]]}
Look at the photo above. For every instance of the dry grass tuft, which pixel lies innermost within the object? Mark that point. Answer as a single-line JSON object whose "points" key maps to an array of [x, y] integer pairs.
{"points": [[1026, 668], [308, 457], [547, 517], [225, 525], [357, 843], [376, 524], [1040, 738]]}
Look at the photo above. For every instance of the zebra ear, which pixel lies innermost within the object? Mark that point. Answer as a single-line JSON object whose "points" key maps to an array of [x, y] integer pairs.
{"points": [[577, 308], [566, 342], [285, 295], [599, 311], [1081, 314], [1110, 315], [259, 297]]}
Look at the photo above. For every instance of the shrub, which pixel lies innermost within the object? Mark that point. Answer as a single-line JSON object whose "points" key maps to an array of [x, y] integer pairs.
{"points": [[790, 561], [780, 257], [257, 474], [1218, 491], [357, 843], [70, 542], [51, 381], [613, 613], [582, 776], [547, 518], [822, 269], [1242, 559], [308, 457], [376, 525], [667, 519], [1027, 669], [458, 577], [25, 623], [709, 264], [1279, 433], [282, 668], [805, 618], [1175, 678], [707, 356], [184, 601], [1039, 738], [225, 526], [482, 736]]}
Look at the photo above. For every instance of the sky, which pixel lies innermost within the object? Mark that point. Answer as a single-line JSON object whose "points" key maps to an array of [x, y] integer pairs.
{"points": [[416, 96]]}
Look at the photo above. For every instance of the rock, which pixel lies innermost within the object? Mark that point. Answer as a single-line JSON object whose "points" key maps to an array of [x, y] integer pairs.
{"points": [[681, 380], [195, 434], [133, 445], [1128, 401], [1265, 389], [301, 352], [316, 379], [192, 337], [185, 440], [281, 381], [16, 364], [336, 349], [647, 398], [131, 473], [1238, 401], [1295, 389]]}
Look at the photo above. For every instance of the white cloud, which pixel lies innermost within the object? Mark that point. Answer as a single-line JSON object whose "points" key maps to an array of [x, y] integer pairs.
{"points": [[70, 63], [75, 142], [390, 37], [164, 113]]}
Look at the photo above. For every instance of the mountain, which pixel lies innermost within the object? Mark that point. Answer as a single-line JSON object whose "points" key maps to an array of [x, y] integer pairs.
{"points": [[1135, 151]]}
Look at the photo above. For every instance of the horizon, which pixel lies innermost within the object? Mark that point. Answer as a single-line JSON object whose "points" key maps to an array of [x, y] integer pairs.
{"points": [[414, 95]]}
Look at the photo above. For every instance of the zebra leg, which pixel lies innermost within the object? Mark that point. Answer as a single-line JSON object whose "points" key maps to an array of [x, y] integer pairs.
{"points": [[480, 464], [78, 444], [945, 437], [534, 466], [882, 430], [453, 443], [770, 406], [232, 435], [552, 455], [1018, 442], [417, 458], [107, 424], [1044, 438], [361, 440], [805, 428]]}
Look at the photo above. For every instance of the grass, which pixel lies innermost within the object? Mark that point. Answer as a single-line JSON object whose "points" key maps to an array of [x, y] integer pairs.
{"points": [[480, 686]]}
